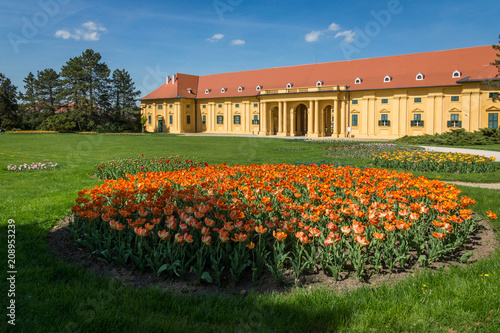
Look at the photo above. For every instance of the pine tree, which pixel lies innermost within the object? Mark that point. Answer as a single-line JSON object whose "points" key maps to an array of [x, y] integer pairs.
{"points": [[496, 63], [125, 112], [29, 110], [85, 84], [8, 104], [48, 87]]}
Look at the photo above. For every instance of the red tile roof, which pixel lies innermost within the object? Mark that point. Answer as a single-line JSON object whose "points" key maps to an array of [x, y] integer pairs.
{"points": [[185, 86], [437, 67]]}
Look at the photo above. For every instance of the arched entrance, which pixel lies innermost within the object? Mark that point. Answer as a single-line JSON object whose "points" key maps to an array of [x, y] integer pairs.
{"points": [[300, 123], [327, 121], [274, 121]]}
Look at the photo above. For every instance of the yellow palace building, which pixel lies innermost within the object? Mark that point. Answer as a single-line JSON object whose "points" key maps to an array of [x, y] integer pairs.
{"points": [[386, 97]]}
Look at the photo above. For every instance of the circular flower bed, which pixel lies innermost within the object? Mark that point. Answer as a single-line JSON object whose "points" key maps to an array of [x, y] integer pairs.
{"points": [[220, 220]]}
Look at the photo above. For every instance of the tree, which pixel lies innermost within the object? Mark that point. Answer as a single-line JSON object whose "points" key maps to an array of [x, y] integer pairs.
{"points": [[8, 104], [85, 83], [48, 87], [491, 83], [124, 112], [29, 110]]}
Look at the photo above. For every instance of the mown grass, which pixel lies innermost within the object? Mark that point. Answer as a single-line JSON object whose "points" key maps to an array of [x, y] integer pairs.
{"points": [[53, 296]]}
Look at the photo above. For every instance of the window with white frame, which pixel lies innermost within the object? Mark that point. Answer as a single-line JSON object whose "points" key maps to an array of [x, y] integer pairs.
{"points": [[417, 120], [454, 120], [384, 121]]}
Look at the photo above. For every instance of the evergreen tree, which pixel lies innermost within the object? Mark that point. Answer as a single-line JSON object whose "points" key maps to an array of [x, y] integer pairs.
{"points": [[495, 84], [48, 87], [8, 104], [30, 112], [125, 114], [84, 87]]}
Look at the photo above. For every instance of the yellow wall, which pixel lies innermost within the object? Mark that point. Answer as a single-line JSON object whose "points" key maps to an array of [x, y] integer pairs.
{"points": [[279, 112]]}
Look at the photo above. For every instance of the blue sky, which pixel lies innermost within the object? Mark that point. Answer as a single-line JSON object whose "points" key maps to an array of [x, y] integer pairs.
{"points": [[152, 39]]}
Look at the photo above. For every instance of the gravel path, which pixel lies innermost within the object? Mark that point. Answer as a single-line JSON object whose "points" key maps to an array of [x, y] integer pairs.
{"points": [[486, 153], [494, 186]]}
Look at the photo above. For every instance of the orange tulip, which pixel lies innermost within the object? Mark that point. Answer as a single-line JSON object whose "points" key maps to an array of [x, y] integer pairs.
{"points": [[491, 215], [206, 240], [163, 234], [438, 235]]}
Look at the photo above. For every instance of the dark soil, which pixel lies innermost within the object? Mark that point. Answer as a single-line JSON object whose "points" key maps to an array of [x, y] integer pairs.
{"points": [[483, 244]]}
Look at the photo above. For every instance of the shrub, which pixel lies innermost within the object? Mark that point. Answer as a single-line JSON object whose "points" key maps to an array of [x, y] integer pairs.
{"points": [[458, 137]]}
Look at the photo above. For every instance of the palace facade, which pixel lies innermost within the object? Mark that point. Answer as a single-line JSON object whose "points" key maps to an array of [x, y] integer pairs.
{"points": [[386, 97]]}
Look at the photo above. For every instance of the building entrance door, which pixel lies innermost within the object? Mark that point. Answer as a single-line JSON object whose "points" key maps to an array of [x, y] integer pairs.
{"points": [[160, 126]]}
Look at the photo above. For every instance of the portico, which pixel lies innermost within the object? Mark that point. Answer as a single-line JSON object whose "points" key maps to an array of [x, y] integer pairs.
{"points": [[305, 112]]}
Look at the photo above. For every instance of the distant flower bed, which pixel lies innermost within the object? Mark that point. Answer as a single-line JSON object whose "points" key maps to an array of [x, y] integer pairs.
{"points": [[86, 132], [363, 150], [46, 164], [33, 132], [119, 168], [288, 149], [433, 161], [124, 134]]}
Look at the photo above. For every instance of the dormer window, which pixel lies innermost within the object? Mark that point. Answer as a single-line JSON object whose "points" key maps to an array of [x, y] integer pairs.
{"points": [[289, 85], [456, 74], [387, 78], [319, 84], [258, 88], [419, 77], [240, 89], [358, 80], [207, 91], [223, 90]]}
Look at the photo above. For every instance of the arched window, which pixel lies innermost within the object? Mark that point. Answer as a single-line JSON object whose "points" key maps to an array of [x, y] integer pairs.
{"points": [[289, 85], [387, 78], [419, 77], [319, 84], [358, 80]]}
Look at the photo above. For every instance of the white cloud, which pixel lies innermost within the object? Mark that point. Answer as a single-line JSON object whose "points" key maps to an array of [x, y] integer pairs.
{"points": [[215, 38], [313, 36], [65, 34], [92, 26], [334, 27], [238, 42], [348, 35], [89, 31]]}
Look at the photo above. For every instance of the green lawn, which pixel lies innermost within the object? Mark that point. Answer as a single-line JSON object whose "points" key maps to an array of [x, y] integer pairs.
{"points": [[52, 296]]}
